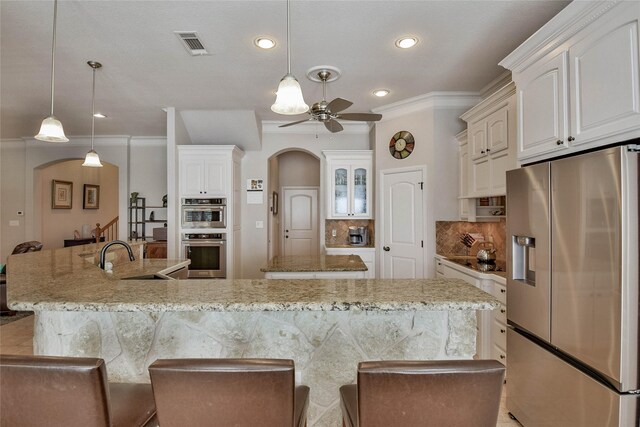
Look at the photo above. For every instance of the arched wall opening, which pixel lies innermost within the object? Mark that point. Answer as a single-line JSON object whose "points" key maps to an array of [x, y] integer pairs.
{"points": [[58, 224]]}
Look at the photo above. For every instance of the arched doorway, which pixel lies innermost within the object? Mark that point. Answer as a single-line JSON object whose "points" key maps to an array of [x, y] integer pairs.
{"points": [[294, 223], [56, 224]]}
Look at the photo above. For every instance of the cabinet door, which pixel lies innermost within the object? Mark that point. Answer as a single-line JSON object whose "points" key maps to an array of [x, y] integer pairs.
{"points": [[543, 115], [605, 86], [497, 131], [215, 177], [191, 176], [360, 203], [340, 190], [500, 163], [478, 139], [480, 176]]}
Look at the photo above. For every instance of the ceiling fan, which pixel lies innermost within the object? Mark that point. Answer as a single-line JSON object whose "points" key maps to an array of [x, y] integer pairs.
{"points": [[329, 112]]}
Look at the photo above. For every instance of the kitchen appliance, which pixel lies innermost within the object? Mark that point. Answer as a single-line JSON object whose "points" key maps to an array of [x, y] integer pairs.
{"points": [[204, 213], [358, 236], [572, 291], [486, 253], [208, 255]]}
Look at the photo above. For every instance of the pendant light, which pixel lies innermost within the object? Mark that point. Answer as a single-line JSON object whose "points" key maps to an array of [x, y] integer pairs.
{"points": [[289, 100], [51, 129], [92, 159]]}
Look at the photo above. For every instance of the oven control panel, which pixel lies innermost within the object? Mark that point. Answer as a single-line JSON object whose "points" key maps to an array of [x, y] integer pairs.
{"points": [[204, 236]]}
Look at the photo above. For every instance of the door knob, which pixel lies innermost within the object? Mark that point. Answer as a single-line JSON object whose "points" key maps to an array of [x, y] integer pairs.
{"points": [[386, 248]]}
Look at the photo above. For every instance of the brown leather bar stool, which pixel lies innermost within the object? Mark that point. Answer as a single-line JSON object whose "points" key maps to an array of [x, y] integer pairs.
{"points": [[70, 392], [228, 392], [452, 393]]}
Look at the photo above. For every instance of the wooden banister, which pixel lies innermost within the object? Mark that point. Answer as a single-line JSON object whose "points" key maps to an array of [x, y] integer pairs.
{"points": [[109, 231]]}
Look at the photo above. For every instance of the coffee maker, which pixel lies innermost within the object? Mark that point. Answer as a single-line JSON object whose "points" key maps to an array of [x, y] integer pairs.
{"points": [[358, 236]]}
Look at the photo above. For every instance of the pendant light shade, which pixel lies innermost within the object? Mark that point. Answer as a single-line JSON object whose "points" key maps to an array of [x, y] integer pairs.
{"points": [[51, 129], [92, 159], [289, 99]]}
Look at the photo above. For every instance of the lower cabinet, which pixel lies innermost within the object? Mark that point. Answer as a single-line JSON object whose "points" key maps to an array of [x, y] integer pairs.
{"points": [[368, 256], [156, 250], [491, 341]]}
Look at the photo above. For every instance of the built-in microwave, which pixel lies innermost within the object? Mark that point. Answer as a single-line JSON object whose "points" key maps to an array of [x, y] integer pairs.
{"points": [[208, 255], [204, 213]]}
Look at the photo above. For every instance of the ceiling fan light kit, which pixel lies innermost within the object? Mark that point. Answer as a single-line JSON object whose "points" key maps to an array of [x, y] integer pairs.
{"points": [[289, 99], [92, 159], [51, 128]]}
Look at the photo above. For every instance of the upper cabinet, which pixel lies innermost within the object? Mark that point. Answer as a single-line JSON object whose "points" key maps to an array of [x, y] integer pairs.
{"points": [[350, 178], [578, 80], [206, 171], [463, 173], [491, 132]]}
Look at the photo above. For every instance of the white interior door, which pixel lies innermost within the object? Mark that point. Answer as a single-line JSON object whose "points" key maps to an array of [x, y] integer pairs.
{"points": [[402, 210], [300, 225]]}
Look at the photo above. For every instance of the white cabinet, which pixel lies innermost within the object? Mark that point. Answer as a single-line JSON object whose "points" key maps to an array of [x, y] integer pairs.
{"points": [[368, 256], [499, 323], [349, 177], [580, 88], [491, 148], [463, 175], [203, 174]]}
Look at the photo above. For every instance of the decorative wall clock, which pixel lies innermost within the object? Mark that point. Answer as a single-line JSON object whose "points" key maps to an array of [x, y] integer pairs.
{"points": [[401, 145]]}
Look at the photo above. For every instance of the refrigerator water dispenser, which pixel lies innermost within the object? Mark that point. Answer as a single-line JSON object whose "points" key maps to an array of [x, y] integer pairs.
{"points": [[524, 259]]}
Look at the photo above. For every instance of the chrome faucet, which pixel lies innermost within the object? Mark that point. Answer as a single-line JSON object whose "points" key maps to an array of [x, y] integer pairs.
{"points": [[103, 252]]}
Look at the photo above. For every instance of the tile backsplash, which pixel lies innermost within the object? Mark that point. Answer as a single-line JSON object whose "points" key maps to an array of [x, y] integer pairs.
{"points": [[342, 230], [448, 236]]}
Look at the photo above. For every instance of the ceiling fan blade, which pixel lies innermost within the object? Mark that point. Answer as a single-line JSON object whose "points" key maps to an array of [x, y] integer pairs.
{"points": [[339, 104], [293, 123], [360, 117], [333, 126]]}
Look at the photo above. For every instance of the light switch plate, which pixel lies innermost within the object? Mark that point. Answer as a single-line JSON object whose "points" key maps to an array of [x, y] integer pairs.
{"points": [[259, 224], [334, 233]]}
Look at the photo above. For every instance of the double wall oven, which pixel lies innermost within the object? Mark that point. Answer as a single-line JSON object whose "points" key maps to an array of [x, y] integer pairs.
{"points": [[202, 243]]}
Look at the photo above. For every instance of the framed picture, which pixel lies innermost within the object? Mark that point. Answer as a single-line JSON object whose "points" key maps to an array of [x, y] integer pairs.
{"points": [[274, 203], [61, 194], [91, 198]]}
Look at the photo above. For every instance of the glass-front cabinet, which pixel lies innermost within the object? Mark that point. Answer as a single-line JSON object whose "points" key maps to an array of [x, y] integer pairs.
{"points": [[349, 176]]}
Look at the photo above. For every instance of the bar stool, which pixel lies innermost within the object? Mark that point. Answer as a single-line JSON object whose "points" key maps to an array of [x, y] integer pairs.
{"points": [[452, 393], [70, 392], [228, 392]]}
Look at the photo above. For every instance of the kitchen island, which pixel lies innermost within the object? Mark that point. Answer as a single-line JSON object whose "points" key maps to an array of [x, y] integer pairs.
{"points": [[326, 326], [315, 267]]}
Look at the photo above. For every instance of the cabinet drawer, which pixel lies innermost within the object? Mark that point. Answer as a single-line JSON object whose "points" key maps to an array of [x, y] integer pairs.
{"points": [[499, 354], [499, 334], [500, 292], [500, 314]]}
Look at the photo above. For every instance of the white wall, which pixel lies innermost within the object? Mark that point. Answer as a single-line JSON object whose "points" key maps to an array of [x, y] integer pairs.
{"points": [[254, 165], [298, 168], [434, 129], [12, 195]]}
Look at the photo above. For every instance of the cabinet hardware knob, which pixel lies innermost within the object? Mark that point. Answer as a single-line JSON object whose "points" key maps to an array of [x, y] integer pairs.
{"points": [[559, 142], [502, 331], [481, 151], [502, 310], [502, 356], [286, 237], [571, 139], [386, 248], [488, 149], [286, 231], [503, 291]]}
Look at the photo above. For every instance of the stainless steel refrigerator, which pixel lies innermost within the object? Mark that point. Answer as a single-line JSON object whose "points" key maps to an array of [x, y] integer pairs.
{"points": [[572, 291]]}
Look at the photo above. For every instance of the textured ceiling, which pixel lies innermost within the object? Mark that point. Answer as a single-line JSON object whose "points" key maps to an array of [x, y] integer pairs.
{"points": [[145, 67]]}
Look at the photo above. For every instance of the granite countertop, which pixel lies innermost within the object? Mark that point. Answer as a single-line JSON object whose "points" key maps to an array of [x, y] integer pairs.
{"points": [[472, 264], [315, 263], [348, 246], [62, 280]]}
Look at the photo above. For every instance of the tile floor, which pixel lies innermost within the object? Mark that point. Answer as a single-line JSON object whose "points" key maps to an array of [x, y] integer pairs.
{"points": [[17, 338]]}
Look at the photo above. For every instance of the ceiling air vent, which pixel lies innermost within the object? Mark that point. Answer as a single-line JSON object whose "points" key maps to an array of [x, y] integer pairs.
{"points": [[191, 42]]}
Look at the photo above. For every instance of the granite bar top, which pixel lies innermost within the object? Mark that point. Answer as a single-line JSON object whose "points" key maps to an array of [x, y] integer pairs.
{"points": [[62, 280], [315, 263]]}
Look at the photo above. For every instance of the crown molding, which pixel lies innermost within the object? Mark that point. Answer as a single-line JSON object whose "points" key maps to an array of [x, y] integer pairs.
{"points": [[489, 103], [312, 128], [428, 100], [11, 141], [81, 141], [569, 21]]}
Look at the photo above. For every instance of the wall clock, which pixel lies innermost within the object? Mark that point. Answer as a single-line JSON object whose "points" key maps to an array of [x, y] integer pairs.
{"points": [[401, 145]]}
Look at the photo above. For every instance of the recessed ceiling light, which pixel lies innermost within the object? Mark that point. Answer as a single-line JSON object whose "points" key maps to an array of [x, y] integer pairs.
{"points": [[381, 92], [99, 115], [406, 42], [264, 43]]}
